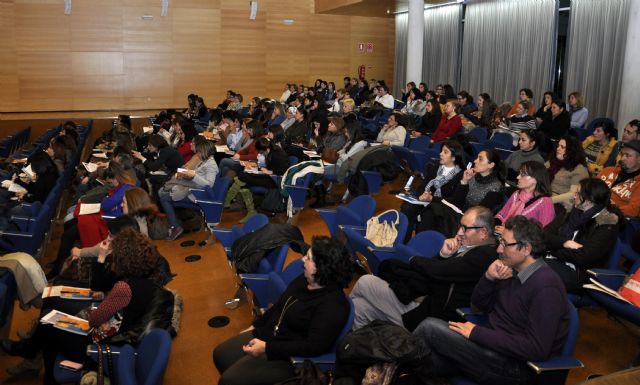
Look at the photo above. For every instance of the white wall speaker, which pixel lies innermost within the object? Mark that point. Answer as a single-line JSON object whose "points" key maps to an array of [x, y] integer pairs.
{"points": [[253, 5]]}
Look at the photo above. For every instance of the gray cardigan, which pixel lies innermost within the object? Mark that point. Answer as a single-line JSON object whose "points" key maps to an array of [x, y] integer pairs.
{"points": [[205, 176]]}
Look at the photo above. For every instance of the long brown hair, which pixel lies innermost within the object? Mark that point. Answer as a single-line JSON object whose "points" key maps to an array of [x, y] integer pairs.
{"points": [[139, 203]]}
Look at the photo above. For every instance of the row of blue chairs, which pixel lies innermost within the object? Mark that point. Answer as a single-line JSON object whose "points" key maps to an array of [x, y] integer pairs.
{"points": [[12, 143], [33, 227]]}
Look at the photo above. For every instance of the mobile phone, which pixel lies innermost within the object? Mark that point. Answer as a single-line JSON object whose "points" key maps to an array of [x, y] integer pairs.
{"points": [[407, 187], [469, 165], [70, 365]]}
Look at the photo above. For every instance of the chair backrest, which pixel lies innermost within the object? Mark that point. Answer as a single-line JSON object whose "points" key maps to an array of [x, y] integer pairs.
{"points": [[255, 222], [348, 325], [502, 140], [572, 336], [614, 255], [292, 271], [151, 358], [293, 160], [220, 187], [479, 134], [274, 260], [420, 143], [153, 355], [278, 281], [363, 206], [428, 243]]}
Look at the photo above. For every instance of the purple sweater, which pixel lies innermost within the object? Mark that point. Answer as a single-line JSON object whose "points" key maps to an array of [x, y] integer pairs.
{"points": [[527, 320]]}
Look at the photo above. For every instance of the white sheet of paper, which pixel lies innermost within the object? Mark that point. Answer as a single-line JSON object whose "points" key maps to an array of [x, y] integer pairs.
{"points": [[147, 129], [89, 208], [29, 171], [100, 155], [14, 187], [91, 167]]}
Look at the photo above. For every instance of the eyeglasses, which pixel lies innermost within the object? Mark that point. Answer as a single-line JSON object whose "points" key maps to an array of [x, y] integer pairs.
{"points": [[465, 227], [505, 244]]}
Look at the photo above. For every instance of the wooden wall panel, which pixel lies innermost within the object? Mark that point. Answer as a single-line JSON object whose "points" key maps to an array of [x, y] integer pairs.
{"points": [[104, 56]]}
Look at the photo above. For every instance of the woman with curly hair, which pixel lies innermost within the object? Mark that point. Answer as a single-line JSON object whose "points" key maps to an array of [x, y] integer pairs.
{"points": [[567, 166], [134, 258], [305, 321]]}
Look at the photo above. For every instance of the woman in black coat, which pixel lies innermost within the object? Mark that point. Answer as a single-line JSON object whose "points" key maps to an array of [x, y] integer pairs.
{"points": [[586, 236], [305, 321]]}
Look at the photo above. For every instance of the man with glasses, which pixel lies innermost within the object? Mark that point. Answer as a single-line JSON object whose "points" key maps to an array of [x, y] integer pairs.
{"points": [[631, 132], [528, 316], [429, 285], [624, 180]]}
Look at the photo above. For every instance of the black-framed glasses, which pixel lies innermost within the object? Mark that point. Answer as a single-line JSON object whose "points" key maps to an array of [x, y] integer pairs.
{"points": [[465, 227], [505, 244]]}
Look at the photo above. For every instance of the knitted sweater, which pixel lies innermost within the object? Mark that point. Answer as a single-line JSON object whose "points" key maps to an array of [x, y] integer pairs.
{"points": [[540, 209], [447, 128], [565, 183], [597, 154]]}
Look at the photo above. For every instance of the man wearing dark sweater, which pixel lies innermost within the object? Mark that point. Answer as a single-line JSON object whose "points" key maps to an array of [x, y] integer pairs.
{"points": [[528, 316], [434, 286]]}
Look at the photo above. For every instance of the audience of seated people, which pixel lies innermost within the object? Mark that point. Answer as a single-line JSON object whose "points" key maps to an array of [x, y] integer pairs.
{"points": [[469, 206]]}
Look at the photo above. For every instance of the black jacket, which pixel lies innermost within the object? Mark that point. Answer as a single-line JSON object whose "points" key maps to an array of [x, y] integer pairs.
{"points": [[249, 249], [168, 159], [449, 282], [381, 160], [37, 191], [555, 128], [309, 321], [597, 237]]}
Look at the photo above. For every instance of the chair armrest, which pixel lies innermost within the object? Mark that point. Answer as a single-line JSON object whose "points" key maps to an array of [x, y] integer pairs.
{"points": [[382, 249], [200, 194], [259, 286], [472, 316], [324, 361], [225, 236], [606, 273], [556, 363], [353, 228]]}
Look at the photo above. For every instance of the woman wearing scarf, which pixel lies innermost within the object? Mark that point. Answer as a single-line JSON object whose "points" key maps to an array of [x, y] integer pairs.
{"points": [[441, 182], [532, 199], [567, 167], [587, 235]]}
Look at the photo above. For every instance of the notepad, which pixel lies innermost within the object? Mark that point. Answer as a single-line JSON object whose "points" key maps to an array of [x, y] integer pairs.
{"points": [[147, 129], [100, 155], [91, 167]]}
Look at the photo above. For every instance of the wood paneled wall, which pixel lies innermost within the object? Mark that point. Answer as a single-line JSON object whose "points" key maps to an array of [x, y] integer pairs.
{"points": [[105, 57]]}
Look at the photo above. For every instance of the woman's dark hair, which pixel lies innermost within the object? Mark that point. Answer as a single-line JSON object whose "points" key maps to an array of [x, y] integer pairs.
{"points": [[424, 85], [278, 133], [70, 125], [595, 190], [574, 153], [493, 157], [191, 99], [73, 136], [412, 84], [68, 142], [333, 85], [125, 140], [527, 91], [532, 135], [263, 144], [59, 149], [230, 114], [449, 92], [157, 141], [537, 171], [435, 110], [254, 128], [216, 116], [464, 94], [125, 120], [433, 95], [527, 231], [189, 130], [559, 103], [133, 254], [333, 264], [550, 93], [125, 159], [609, 129], [485, 97], [417, 95], [42, 164], [303, 112], [456, 150]]}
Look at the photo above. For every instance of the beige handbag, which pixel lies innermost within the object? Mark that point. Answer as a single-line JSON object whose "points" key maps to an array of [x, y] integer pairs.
{"points": [[382, 234]]}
